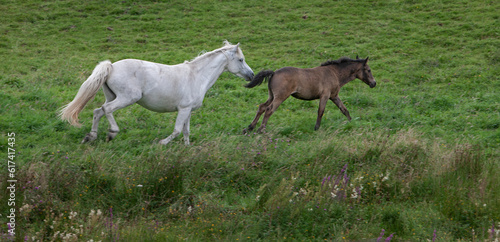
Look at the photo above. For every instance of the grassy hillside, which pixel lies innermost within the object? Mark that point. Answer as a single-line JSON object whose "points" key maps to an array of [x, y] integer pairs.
{"points": [[419, 160]]}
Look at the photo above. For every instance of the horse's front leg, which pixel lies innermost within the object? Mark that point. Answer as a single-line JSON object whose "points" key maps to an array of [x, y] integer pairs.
{"points": [[322, 104], [182, 118], [341, 106], [185, 130]]}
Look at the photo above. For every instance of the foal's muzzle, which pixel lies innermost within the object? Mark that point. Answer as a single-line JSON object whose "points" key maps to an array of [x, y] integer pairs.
{"points": [[373, 84]]}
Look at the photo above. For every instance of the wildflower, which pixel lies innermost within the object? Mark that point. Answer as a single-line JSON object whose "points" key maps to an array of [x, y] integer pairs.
{"points": [[257, 198], [303, 191], [333, 194], [72, 215], [190, 209], [354, 194], [389, 238], [381, 235], [386, 177]]}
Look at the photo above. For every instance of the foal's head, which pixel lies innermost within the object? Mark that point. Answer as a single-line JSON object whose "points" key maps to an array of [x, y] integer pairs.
{"points": [[236, 63], [365, 74]]}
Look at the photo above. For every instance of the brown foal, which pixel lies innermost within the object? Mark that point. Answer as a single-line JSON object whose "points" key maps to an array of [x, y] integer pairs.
{"points": [[322, 82]]}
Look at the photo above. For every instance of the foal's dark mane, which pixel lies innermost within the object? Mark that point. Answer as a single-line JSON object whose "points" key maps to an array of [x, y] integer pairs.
{"points": [[341, 61]]}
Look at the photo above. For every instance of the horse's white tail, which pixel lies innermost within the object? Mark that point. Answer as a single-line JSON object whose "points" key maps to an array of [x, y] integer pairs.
{"points": [[87, 91]]}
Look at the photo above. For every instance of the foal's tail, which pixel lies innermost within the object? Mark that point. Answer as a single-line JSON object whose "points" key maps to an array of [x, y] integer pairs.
{"points": [[87, 91], [262, 76]]}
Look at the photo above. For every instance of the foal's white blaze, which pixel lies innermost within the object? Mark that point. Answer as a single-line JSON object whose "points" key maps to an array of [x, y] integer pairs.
{"points": [[157, 87]]}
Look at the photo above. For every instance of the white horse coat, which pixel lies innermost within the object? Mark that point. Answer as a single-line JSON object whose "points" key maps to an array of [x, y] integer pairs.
{"points": [[157, 87]]}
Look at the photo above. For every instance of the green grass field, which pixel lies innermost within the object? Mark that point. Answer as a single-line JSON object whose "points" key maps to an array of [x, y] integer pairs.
{"points": [[419, 161]]}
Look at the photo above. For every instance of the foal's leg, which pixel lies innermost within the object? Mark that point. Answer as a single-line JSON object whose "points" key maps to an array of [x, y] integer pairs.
{"points": [[322, 104], [260, 111], [341, 106], [270, 110], [182, 120]]}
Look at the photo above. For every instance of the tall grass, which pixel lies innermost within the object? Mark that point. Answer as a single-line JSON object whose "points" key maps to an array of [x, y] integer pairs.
{"points": [[419, 160]]}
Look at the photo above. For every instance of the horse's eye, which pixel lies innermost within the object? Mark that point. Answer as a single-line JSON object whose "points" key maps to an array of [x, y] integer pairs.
{"points": [[241, 60]]}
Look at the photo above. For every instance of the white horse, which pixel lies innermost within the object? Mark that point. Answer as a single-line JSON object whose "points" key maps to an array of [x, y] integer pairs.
{"points": [[157, 87]]}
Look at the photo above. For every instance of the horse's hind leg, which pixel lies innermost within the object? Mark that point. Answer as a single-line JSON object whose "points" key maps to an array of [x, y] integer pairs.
{"points": [[119, 102], [341, 106], [98, 113], [270, 109], [260, 111]]}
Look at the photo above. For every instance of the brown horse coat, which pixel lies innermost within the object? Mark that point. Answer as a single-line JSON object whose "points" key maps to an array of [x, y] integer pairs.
{"points": [[322, 82]]}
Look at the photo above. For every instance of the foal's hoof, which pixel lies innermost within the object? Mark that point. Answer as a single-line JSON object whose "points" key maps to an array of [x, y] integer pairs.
{"points": [[89, 137], [247, 130], [111, 135]]}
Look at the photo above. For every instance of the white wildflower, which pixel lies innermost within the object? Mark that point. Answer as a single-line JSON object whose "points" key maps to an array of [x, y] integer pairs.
{"points": [[291, 201], [303, 191], [92, 212], [257, 198], [354, 193], [309, 209], [333, 194], [99, 212], [190, 209], [72, 215], [386, 177]]}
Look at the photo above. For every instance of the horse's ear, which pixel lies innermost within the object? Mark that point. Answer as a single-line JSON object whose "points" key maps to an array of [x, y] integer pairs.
{"points": [[357, 57], [236, 48], [366, 60]]}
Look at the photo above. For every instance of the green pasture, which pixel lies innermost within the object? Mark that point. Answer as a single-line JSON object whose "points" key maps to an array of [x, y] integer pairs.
{"points": [[419, 161]]}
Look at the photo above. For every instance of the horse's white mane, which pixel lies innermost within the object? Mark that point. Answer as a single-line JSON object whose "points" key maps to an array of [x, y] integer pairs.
{"points": [[204, 53]]}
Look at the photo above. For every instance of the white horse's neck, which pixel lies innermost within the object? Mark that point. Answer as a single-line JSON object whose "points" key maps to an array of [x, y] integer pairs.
{"points": [[209, 69]]}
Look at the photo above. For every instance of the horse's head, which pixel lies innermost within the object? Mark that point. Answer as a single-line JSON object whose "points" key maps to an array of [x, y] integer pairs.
{"points": [[236, 63], [365, 74]]}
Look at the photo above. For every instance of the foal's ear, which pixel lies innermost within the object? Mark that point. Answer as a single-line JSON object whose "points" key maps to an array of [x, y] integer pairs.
{"points": [[236, 48], [366, 60]]}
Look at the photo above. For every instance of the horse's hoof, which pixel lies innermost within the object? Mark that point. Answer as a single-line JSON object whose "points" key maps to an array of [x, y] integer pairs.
{"points": [[164, 142], [111, 135], [89, 137], [248, 129]]}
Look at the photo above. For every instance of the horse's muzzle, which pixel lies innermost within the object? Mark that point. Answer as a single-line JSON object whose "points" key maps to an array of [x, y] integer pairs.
{"points": [[249, 77], [373, 84]]}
